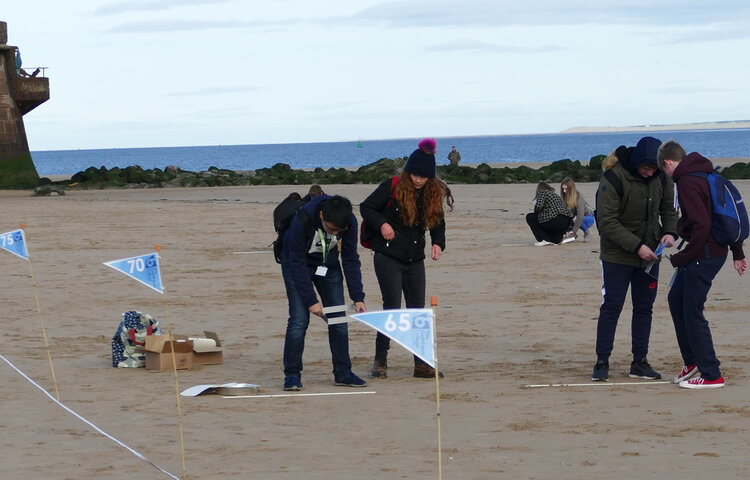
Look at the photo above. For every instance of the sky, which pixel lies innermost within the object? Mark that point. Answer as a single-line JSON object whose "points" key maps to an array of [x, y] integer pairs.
{"points": [[152, 73]]}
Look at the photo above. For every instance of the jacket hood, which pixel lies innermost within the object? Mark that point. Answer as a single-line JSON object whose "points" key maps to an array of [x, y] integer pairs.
{"points": [[619, 155], [630, 158], [693, 162], [645, 152]]}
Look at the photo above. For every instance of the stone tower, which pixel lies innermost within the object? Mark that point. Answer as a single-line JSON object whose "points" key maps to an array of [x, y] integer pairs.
{"points": [[20, 92]]}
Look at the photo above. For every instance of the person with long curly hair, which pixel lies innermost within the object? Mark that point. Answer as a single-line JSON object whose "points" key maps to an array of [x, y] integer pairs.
{"points": [[399, 212]]}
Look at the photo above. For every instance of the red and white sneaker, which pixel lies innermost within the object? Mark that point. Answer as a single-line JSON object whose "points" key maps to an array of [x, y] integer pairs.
{"points": [[687, 372], [700, 382]]}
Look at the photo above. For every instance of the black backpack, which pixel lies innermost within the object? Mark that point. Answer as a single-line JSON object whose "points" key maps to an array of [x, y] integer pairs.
{"points": [[282, 218]]}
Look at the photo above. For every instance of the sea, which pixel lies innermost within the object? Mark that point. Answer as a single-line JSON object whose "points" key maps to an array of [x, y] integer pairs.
{"points": [[490, 149]]}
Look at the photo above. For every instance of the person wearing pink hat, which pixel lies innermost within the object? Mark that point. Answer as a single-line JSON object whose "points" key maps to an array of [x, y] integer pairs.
{"points": [[400, 211]]}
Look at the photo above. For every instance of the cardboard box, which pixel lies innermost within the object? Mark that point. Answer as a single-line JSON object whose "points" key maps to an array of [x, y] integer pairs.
{"points": [[159, 353], [204, 353]]}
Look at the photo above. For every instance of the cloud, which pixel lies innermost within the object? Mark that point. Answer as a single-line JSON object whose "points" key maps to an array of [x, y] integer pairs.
{"points": [[149, 6], [502, 13], [164, 26], [476, 46], [214, 91], [710, 33], [450, 14]]}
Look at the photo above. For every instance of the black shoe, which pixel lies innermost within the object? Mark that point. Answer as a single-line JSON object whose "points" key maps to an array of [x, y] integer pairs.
{"points": [[641, 369], [379, 368], [601, 371]]}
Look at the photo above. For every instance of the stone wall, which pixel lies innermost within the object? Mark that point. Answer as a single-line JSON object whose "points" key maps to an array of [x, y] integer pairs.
{"points": [[17, 170]]}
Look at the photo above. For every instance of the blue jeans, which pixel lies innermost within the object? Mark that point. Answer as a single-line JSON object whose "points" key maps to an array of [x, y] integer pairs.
{"points": [[395, 277], [617, 279], [331, 292], [686, 301], [588, 220]]}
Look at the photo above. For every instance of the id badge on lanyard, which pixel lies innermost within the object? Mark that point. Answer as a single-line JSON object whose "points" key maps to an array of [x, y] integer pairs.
{"points": [[322, 269]]}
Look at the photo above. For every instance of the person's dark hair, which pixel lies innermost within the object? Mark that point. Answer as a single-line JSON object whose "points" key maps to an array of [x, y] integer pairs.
{"points": [[670, 150], [315, 190], [543, 186], [337, 211]]}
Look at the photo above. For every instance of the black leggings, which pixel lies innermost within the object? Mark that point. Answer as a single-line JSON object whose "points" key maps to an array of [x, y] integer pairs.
{"points": [[551, 230], [395, 277]]}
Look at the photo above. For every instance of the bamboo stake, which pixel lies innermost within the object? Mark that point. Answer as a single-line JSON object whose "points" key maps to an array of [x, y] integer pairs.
{"points": [[174, 372], [433, 303], [41, 319]]}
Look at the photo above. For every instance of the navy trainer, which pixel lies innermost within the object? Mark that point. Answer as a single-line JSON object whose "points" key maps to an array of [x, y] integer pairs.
{"points": [[351, 380], [601, 371], [292, 383]]}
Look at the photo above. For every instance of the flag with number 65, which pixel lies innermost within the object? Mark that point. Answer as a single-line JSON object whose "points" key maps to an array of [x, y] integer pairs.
{"points": [[144, 268], [412, 328]]}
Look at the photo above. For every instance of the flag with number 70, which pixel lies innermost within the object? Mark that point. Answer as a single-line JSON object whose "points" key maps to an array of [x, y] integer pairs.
{"points": [[144, 268]]}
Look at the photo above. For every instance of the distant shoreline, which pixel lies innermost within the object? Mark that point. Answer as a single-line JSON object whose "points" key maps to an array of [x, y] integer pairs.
{"points": [[733, 124]]}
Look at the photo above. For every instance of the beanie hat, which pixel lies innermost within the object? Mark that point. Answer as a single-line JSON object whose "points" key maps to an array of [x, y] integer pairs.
{"points": [[645, 152], [422, 160]]}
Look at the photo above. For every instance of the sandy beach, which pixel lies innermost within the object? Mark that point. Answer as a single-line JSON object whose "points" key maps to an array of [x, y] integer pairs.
{"points": [[510, 315]]}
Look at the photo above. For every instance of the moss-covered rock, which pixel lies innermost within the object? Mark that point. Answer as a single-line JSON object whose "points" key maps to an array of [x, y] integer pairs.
{"points": [[376, 172]]}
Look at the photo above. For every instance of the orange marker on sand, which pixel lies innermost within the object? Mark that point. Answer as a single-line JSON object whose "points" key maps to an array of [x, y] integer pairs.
{"points": [[158, 247], [433, 301]]}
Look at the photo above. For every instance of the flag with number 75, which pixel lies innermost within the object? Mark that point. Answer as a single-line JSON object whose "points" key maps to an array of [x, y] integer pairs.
{"points": [[15, 243]]}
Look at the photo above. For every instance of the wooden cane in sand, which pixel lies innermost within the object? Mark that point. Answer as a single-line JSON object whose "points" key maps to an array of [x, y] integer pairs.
{"points": [[174, 372], [41, 320], [433, 304]]}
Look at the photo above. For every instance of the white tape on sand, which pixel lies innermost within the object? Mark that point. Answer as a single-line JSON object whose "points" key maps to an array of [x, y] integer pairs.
{"points": [[595, 384], [281, 395], [87, 422]]}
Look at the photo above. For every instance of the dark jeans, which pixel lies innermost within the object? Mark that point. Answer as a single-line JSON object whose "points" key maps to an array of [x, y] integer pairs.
{"points": [[552, 230], [686, 301], [331, 292], [643, 287], [395, 277]]}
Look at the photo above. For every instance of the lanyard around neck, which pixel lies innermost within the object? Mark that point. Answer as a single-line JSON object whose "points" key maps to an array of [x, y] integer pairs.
{"points": [[323, 244]]}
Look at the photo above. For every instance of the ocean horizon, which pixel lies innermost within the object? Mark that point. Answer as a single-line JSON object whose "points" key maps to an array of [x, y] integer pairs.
{"points": [[490, 149]]}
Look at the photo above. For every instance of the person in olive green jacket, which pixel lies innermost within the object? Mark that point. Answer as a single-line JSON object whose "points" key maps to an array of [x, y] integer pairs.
{"points": [[635, 214]]}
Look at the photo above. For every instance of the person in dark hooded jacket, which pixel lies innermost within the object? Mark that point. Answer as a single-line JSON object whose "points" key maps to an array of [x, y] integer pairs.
{"points": [[635, 214], [697, 265]]}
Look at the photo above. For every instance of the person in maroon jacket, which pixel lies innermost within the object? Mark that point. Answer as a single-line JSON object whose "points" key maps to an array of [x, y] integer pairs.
{"points": [[697, 265]]}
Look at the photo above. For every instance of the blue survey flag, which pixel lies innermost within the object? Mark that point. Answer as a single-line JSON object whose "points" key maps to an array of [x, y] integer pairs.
{"points": [[412, 328], [145, 269], [15, 243]]}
